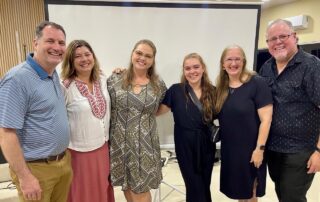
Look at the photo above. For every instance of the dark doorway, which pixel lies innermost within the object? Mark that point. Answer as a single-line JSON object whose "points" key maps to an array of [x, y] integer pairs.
{"points": [[264, 55]]}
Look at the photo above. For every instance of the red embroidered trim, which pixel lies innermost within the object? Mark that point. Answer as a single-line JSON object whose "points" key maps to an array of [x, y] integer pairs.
{"points": [[96, 100], [66, 82]]}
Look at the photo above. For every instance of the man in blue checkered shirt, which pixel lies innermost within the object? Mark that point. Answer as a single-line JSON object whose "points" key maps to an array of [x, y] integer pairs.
{"points": [[34, 130]]}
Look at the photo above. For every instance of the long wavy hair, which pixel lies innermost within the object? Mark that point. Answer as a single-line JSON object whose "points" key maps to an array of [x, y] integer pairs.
{"points": [[223, 78], [208, 91], [68, 69], [151, 73]]}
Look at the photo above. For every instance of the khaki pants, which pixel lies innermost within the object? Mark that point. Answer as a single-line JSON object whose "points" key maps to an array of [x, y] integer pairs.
{"points": [[54, 177]]}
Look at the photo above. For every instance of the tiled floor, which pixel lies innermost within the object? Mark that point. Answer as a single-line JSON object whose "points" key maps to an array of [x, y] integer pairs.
{"points": [[172, 176]]}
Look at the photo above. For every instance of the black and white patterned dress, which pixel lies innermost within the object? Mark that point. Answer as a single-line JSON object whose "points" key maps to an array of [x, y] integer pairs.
{"points": [[134, 142]]}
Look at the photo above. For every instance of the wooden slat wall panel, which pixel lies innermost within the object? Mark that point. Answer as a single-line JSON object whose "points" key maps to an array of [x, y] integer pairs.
{"points": [[18, 19]]}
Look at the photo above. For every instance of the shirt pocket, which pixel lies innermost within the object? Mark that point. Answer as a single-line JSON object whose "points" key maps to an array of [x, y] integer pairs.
{"points": [[292, 91]]}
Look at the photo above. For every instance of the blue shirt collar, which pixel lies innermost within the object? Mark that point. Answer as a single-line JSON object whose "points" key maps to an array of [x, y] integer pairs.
{"points": [[40, 71]]}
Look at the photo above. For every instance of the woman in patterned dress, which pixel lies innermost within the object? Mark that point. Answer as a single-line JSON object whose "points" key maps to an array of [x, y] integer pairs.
{"points": [[134, 142], [88, 106]]}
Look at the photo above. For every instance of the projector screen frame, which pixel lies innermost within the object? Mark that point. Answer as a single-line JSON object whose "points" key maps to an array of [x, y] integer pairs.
{"points": [[165, 122], [165, 4]]}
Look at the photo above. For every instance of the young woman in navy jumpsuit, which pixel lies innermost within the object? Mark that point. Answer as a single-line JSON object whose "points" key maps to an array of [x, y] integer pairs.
{"points": [[195, 152]]}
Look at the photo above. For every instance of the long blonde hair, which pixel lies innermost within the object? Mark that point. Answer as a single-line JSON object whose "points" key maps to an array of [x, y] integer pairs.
{"points": [[223, 78], [151, 74], [208, 91]]}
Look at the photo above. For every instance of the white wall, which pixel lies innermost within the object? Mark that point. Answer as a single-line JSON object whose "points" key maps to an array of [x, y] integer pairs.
{"points": [[176, 29]]}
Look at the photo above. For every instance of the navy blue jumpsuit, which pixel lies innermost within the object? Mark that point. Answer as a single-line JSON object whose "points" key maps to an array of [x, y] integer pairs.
{"points": [[195, 152]]}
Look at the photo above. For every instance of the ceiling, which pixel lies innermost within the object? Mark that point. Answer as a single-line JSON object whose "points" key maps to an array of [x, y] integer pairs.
{"points": [[266, 3]]}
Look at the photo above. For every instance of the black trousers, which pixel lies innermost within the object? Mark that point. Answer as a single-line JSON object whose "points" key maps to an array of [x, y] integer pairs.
{"points": [[289, 174], [195, 159]]}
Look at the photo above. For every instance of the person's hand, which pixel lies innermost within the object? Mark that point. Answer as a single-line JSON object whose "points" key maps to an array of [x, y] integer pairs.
{"points": [[119, 70], [313, 164], [257, 157], [30, 188]]}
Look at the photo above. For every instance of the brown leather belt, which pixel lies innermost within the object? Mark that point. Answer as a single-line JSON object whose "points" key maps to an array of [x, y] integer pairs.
{"points": [[50, 158]]}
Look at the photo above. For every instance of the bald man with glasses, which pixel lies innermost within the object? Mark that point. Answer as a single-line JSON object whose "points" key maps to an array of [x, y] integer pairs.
{"points": [[293, 148]]}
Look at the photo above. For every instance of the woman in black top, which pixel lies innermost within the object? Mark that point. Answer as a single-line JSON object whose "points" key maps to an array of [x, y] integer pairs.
{"points": [[244, 106], [195, 152]]}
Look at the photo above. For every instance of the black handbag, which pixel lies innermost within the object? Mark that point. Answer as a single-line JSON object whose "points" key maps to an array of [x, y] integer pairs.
{"points": [[214, 133], [214, 130]]}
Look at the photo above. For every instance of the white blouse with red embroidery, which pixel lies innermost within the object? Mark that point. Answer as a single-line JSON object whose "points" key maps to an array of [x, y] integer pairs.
{"points": [[88, 114]]}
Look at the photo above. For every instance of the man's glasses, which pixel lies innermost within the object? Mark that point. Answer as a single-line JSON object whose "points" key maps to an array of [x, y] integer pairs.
{"points": [[282, 38]]}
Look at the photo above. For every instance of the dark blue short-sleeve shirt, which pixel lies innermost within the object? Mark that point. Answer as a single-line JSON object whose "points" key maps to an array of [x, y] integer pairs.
{"points": [[296, 94]]}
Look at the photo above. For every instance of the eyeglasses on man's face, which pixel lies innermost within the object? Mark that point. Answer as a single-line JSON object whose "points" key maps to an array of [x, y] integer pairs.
{"points": [[282, 38]]}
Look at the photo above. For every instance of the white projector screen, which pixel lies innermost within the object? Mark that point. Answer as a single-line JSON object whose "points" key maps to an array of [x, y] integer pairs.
{"points": [[177, 28]]}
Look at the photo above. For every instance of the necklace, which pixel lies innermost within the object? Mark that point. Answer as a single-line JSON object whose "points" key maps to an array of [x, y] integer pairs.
{"points": [[138, 85], [231, 90]]}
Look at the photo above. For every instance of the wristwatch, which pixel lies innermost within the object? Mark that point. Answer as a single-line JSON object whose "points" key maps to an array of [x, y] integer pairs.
{"points": [[261, 147], [317, 149]]}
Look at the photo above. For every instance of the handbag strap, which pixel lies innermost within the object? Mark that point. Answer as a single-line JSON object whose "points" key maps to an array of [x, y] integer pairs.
{"points": [[194, 98], [196, 101]]}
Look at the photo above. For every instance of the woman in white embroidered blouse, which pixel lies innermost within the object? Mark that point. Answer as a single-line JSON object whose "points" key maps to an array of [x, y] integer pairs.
{"points": [[88, 106]]}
